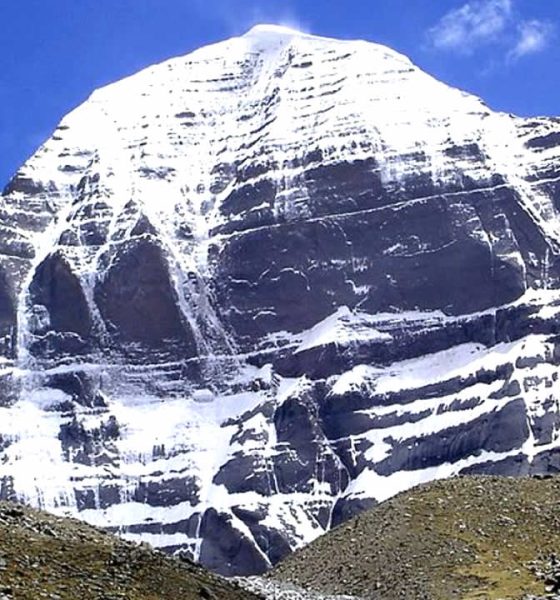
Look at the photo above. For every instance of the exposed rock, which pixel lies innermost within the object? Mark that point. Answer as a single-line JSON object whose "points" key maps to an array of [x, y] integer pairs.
{"points": [[137, 301], [258, 289]]}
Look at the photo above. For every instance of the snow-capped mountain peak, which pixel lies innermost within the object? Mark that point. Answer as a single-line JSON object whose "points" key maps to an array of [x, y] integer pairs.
{"points": [[270, 30], [249, 291]]}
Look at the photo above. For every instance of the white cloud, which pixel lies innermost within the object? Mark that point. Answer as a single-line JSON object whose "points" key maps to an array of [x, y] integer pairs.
{"points": [[533, 36], [480, 23], [237, 22], [475, 23]]}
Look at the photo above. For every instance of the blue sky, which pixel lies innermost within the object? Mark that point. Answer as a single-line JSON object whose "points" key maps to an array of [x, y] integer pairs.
{"points": [[53, 53]]}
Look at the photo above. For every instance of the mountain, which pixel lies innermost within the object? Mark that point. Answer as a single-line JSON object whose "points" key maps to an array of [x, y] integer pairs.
{"points": [[42, 556], [467, 537], [249, 292]]}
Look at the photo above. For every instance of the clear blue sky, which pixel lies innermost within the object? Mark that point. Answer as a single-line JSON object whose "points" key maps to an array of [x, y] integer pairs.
{"points": [[54, 53]]}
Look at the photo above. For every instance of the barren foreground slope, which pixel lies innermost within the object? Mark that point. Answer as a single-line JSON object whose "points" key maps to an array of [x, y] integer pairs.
{"points": [[469, 537], [42, 556]]}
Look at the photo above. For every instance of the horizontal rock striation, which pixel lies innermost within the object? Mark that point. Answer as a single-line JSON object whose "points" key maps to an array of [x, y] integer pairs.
{"points": [[249, 292]]}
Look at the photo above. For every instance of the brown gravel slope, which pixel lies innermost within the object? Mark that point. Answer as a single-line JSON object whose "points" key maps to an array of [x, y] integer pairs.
{"points": [[42, 556], [468, 537]]}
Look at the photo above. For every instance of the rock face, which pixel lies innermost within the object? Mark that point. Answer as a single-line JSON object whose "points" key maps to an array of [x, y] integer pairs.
{"points": [[249, 292]]}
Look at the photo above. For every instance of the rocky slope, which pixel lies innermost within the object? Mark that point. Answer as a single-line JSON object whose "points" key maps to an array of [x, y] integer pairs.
{"points": [[42, 556], [468, 537], [249, 292]]}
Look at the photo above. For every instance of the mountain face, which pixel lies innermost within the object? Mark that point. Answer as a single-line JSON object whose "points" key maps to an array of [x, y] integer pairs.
{"points": [[246, 293]]}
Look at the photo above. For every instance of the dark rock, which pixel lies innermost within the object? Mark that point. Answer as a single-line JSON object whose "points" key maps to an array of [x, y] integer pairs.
{"points": [[83, 387], [168, 491], [56, 288], [272, 543], [225, 550], [137, 300], [7, 317], [517, 465], [346, 508], [499, 431]]}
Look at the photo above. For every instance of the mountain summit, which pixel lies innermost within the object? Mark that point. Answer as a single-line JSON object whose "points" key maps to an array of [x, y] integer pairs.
{"points": [[248, 292], [270, 29]]}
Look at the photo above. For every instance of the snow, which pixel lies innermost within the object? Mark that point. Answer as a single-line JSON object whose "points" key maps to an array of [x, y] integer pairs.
{"points": [[135, 141], [204, 395], [342, 327], [267, 30], [369, 484], [459, 361]]}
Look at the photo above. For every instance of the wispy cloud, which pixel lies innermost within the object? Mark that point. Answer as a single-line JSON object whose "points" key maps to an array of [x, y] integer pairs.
{"points": [[480, 23], [237, 17], [475, 23], [533, 36]]}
